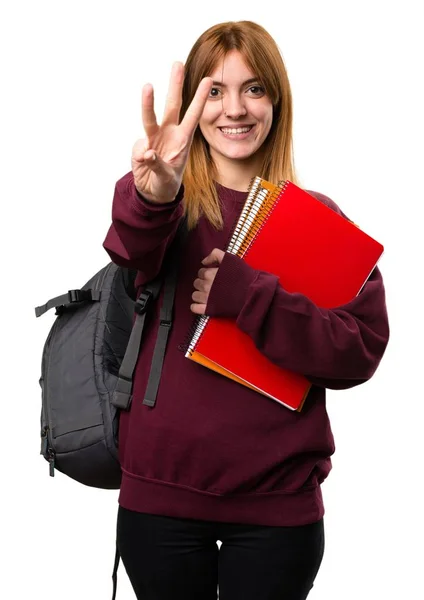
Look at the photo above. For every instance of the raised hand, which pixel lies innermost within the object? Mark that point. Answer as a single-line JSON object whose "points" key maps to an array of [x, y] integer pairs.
{"points": [[158, 160]]}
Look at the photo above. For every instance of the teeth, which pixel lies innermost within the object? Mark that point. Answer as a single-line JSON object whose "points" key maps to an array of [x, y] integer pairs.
{"points": [[238, 130]]}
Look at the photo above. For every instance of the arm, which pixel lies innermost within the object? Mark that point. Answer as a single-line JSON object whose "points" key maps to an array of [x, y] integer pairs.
{"points": [[147, 203], [336, 348], [141, 231]]}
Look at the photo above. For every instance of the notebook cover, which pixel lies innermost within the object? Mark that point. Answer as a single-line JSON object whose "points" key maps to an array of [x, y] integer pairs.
{"points": [[315, 252]]}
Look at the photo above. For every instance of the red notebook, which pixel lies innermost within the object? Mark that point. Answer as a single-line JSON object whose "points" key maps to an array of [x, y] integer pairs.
{"points": [[314, 251]]}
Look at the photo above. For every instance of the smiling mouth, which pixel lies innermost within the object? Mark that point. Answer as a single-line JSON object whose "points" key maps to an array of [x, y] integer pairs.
{"points": [[236, 130]]}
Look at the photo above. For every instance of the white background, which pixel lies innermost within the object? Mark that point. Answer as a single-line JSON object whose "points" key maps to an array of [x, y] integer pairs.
{"points": [[71, 77]]}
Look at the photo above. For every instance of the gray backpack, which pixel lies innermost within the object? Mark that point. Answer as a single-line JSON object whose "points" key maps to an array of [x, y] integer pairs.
{"points": [[88, 363]]}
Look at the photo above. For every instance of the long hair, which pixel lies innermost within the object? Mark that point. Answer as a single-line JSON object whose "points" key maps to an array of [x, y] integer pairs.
{"points": [[263, 57]]}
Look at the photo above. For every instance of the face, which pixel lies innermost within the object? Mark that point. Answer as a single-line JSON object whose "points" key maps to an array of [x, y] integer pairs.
{"points": [[238, 114]]}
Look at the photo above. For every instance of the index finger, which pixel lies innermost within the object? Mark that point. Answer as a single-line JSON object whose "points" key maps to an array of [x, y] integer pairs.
{"points": [[194, 112], [148, 112]]}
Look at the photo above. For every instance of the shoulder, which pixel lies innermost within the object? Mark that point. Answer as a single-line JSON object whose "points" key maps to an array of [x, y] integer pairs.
{"points": [[328, 202]]}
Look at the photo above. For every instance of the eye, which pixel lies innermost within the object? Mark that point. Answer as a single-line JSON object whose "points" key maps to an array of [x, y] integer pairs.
{"points": [[257, 90], [214, 93]]}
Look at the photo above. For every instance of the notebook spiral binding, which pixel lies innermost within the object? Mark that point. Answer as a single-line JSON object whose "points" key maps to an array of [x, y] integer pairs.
{"points": [[259, 199], [199, 324], [260, 218], [237, 219], [249, 221], [196, 332], [253, 190]]}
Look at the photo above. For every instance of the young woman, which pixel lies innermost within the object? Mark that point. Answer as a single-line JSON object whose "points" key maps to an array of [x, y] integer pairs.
{"points": [[214, 460]]}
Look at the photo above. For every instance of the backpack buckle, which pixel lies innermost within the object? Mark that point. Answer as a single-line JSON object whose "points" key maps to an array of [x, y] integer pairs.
{"points": [[140, 306], [78, 295]]}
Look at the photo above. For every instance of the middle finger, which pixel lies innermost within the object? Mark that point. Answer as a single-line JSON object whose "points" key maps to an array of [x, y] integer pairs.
{"points": [[175, 94]]}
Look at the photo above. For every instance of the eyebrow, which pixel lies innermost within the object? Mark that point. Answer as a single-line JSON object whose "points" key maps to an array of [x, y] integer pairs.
{"points": [[251, 80]]}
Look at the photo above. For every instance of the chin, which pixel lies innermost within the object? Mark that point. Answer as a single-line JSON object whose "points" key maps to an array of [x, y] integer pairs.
{"points": [[238, 153]]}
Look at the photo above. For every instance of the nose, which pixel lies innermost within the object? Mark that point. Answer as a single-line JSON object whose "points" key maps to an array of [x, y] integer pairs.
{"points": [[233, 106]]}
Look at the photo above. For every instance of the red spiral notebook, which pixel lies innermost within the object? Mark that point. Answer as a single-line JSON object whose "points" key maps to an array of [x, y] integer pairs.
{"points": [[314, 251]]}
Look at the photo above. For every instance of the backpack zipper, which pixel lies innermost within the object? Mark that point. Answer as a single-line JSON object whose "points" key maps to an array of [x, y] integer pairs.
{"points": [[46, 442], [52, 457], [46, 449]]}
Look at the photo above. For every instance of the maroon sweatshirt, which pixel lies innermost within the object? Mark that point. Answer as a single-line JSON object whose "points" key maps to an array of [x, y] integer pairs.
{"points": [[211, 448]]}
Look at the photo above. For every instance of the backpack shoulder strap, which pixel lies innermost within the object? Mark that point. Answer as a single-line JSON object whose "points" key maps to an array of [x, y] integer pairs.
{"points": [[123, 392], [166, 315]]}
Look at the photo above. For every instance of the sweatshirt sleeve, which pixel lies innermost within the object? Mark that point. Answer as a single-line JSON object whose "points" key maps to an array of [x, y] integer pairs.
{"points": [[336, 348], [141, 231]]}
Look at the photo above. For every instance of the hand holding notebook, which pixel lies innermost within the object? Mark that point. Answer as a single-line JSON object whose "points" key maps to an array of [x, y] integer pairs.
{"points": [[205, 279], [313, 251]]}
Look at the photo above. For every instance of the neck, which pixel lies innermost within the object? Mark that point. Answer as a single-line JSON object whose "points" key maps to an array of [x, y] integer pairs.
{"points": [[236, 174]]}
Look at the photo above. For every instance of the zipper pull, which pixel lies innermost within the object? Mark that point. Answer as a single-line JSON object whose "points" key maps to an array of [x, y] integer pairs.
{"points": [[51, 462], [43, 450]]}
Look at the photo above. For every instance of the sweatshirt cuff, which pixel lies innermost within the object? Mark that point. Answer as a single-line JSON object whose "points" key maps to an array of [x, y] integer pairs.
{"points": [[144, 206], [229, 289]]}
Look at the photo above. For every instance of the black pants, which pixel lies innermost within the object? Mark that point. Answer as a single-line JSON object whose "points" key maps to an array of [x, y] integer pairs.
{"points": [[172, 559]]}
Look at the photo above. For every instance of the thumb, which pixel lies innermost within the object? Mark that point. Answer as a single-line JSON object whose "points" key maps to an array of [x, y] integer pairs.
{"points": [[215, 257]]}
